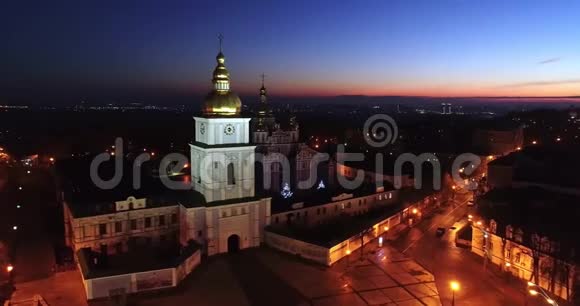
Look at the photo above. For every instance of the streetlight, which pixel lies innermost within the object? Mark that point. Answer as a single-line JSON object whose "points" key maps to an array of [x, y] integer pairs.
{"points": [[541, 292], [348, 257], [9, 268], [415, 211], [454, 287]]}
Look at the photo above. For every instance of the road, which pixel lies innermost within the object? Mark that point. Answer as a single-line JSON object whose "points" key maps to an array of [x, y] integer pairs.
{"points": [[29, 221], [448, 262]]}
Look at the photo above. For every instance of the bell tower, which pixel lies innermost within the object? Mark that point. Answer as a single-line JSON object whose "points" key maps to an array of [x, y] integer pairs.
{"points": [[222, 159]]}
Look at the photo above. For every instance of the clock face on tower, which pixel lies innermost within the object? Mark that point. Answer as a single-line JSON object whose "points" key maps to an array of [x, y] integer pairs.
{"points": [[229, 129], [202, 128]]}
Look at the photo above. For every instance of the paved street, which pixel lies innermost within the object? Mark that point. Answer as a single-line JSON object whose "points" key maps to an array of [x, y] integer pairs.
{"points": [[448, 262], [266, 277]]}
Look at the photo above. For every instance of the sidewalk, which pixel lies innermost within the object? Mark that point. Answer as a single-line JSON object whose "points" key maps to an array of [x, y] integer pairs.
{"points": [[60, 289]]}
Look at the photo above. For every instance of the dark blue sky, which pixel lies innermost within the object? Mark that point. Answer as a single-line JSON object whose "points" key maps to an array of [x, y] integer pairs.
{"points": [[89, 49]]}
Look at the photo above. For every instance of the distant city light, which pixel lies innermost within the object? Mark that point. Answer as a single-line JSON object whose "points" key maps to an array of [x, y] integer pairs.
{"points": [[9, 268], [51, 159], [19, 187], [558, 139], [534, 142], [15, 227]]}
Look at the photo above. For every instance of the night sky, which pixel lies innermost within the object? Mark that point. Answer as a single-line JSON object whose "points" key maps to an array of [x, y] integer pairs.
{"points": [[105, 49]]}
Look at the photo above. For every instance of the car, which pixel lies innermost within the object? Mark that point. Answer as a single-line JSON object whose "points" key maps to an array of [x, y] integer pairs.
{"points": [[470, 203], [440, 231]]}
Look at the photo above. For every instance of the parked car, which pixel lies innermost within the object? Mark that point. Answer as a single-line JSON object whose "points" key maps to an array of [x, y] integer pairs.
{"points": [[440, 231]]}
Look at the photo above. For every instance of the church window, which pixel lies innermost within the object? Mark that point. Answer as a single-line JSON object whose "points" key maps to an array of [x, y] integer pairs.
{"points": [[324, 210], [147, 222], [161, 220], [215, 165], [102, 229], [133, 224], [231, 178], [174, 218]]}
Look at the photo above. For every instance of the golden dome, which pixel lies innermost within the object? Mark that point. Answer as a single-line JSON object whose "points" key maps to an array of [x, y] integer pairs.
{"points": [[221, 101]]}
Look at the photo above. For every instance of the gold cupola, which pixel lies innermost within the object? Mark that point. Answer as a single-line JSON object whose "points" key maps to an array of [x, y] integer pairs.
{"points": [[221, 101]]}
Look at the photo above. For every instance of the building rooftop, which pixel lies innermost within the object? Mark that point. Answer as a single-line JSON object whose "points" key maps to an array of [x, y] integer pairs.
{"points": [[314, 196], [94, 265], [553, 165], [329, 234], [535, 210], [85, 198]]}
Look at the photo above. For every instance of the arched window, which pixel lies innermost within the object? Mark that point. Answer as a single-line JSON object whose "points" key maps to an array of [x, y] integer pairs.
{"points": [[231, 178]]}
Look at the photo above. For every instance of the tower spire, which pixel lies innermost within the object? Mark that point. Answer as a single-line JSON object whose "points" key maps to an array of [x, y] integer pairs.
{"points": [[263, 77], [263, 93], [221, 40]]}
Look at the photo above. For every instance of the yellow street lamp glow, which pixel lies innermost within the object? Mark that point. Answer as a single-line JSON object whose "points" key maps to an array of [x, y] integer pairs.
{"points": [[533, 292], [507, 264], [454, 285], [386, 228], [347, 252], [9, 268], [531, 284], [470, 216], [414, 210], [550, 301], [478, 223]]}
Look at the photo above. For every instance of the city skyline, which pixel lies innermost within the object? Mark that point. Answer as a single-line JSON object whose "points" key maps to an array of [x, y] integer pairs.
{"points": [[447, 49]]}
